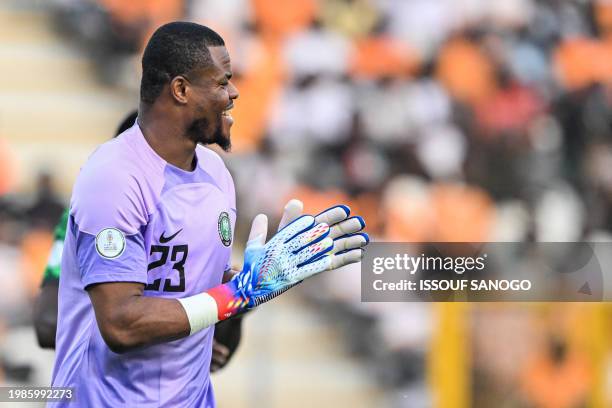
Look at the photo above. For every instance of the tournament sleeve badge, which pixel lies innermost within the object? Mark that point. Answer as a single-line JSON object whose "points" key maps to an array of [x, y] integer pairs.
{"points": [[110, 243]]}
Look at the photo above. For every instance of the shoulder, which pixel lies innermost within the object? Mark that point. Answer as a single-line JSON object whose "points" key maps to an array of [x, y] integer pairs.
{"points": [[110, 170], [207, 157], [111, 158], [213, 164], [108, 191]]}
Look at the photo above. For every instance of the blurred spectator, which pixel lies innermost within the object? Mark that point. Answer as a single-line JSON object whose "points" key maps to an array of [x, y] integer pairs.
{"points": [[316, 109], [465, 70], [229, 16], [279, 19], [424, 24], [14, 301], [463, 213], [35, 248], [603, 16], [383, 109], [582, 61], [317, 51], [47, 206], [352, 18], [381, 57], [442, 150], [408, 215]]}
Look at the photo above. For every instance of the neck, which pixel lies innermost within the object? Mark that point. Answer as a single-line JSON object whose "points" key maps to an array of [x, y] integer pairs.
{"points": [[166, 137]]}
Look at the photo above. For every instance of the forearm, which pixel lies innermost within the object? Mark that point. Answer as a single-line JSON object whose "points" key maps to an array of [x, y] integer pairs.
{"points": [[127, 319], [143, 321]]}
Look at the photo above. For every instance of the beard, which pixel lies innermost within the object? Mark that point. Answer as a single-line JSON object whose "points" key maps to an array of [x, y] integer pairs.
{"points": [[199, 128]]}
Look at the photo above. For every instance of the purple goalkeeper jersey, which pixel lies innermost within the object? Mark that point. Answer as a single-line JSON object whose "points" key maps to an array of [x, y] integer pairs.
{"points": [[136, 218]]}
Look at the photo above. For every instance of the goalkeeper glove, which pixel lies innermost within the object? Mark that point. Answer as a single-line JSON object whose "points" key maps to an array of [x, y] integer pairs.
{"points": [[293, 254], [344, 230], [303, 248], [299, 250]]}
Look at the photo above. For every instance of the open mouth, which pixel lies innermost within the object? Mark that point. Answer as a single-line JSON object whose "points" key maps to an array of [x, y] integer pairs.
{"points": [[227, 112]]}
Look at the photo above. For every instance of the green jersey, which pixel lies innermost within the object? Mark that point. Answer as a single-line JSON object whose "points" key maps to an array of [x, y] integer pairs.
{"points": [[52, 271]]}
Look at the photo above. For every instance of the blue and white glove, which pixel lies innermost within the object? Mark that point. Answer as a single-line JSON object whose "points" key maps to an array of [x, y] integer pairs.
{"points": [[346, 231], [302, 248]]}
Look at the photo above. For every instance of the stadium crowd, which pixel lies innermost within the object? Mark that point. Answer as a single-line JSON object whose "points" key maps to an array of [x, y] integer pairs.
{"points": [[438, 120]]}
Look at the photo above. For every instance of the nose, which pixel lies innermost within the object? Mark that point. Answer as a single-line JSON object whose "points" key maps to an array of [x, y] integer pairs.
{"points": [[233, 91]]}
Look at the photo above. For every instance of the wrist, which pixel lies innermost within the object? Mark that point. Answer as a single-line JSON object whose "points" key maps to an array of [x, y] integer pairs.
{"points": [[214, 305], [229, 299], [201, 311]]}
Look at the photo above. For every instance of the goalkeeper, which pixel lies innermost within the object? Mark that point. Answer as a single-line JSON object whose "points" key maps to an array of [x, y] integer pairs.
{"points": [[149, 238], [227, 334]]}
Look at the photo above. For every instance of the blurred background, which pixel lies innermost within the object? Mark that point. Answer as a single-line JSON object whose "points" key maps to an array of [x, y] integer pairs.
{"points": [[437, 120]]}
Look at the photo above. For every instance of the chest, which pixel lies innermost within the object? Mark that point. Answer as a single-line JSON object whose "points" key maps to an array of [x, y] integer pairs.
{"points": [[188, 240]]}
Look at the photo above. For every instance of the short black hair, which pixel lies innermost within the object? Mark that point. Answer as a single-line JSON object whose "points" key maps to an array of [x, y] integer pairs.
{"points": [[174, 49]]}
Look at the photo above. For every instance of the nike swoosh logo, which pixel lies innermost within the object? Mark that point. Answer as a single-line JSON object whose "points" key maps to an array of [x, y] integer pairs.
{"points": [[163, 240]]}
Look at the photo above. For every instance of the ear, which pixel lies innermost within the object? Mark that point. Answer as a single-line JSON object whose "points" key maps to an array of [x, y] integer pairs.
{"points": [[178, 89]]}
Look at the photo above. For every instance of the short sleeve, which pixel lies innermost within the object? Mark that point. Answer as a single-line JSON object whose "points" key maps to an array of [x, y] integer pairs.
{"points": [[108, 219]]}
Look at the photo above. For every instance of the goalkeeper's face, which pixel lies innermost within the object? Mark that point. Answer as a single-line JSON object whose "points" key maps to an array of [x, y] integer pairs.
{"points": [[213, 98]]}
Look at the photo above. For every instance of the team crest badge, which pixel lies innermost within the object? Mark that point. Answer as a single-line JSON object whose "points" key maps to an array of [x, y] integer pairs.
{"points": [[225, 229], [110, 243]]}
